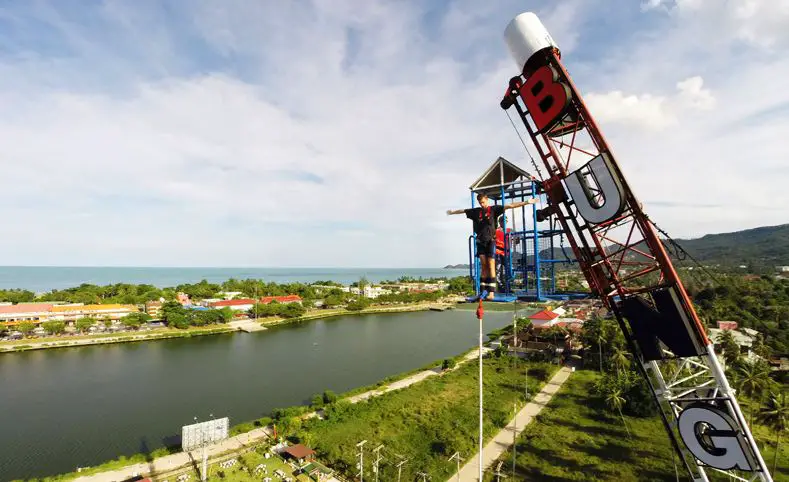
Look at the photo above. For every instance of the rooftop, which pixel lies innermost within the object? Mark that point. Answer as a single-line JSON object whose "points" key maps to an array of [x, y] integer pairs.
{"points": [[245, 301], [299, 451], [108, 307], [544, 315], [26, 308]]}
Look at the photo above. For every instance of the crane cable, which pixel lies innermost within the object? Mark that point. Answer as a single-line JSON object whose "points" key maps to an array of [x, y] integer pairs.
{"points": [[680, 253], [533, 162]]}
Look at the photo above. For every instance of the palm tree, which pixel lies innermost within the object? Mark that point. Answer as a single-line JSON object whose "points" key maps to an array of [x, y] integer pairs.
{"points": [[775, 414], [754, 377], [620, 360], [730, 348], [615, 401]]}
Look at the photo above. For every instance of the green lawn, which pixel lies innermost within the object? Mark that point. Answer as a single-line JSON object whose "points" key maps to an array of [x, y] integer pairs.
{"points": [[425, 423], [243, 471], [577, 439]]}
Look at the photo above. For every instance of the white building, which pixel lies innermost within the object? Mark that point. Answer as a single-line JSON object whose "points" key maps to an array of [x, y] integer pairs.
{"points": [[371, 291]]}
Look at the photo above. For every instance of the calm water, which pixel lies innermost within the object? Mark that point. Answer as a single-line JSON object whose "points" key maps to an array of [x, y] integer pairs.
{"points": [[45, 278], [71, 407]]}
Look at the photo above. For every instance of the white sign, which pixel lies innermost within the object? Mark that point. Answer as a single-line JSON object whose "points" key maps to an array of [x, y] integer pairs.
{"points": [[204, 433], [712, 436]]}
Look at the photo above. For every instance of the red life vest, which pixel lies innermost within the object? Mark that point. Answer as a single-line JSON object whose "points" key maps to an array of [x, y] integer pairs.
{"points": [[500, 241]]}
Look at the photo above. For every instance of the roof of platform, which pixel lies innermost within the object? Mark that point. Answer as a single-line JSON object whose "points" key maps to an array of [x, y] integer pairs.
{"points": [[501, 172]]}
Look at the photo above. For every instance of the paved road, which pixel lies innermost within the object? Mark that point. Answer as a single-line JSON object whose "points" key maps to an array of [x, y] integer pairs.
{"points": [[503, 440]]}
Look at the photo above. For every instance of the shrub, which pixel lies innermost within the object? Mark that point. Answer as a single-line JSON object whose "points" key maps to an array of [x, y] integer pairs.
{"points": [[329, 397], [447, 364]]}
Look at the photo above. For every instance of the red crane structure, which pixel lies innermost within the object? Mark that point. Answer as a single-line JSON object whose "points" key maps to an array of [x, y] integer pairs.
{"points": [[626, 264]]}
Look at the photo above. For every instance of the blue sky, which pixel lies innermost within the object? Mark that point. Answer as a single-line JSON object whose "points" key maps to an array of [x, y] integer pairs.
{"points": [[338, 132]]}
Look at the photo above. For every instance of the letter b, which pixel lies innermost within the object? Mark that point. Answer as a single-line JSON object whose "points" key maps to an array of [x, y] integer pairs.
{"points": [[545, 97]]}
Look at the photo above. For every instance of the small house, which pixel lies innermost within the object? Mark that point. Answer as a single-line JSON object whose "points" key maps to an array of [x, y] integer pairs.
{"points": [[299, 453]]}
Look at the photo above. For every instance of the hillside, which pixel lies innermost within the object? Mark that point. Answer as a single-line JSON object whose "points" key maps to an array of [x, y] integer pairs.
{"points": [[767, 246], [758, 248]]}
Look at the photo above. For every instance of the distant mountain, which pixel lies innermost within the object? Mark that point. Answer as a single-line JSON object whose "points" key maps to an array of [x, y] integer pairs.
{"points": [[759, 249], [767, 246], [456, 266]]}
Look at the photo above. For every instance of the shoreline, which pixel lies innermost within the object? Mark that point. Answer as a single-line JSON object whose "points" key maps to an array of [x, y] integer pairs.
{"points": [[169, 333], [249, 433]]}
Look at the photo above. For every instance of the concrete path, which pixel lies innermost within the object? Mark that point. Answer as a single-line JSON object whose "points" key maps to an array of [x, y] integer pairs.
{"points": [[503, 440], [416, 378]]}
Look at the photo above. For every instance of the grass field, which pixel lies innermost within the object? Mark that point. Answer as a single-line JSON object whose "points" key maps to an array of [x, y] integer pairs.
{"points": [[244, 469], [576, 439], [425, 423]]}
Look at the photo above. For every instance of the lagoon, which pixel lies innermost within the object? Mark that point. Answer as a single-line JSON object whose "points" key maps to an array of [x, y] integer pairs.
{"points": [[60, 409]]}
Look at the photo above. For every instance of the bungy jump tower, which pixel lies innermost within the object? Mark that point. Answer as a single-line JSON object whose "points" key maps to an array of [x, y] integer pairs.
{"points": [[616, 246]]}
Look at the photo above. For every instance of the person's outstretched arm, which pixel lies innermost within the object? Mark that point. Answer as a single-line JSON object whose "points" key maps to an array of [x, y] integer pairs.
{"points": [[456, 211], [533, 200]]}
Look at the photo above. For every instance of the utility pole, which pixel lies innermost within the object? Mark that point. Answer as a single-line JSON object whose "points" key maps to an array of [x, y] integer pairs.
{"points": [[499, 475], [361, 459], [400, 468], [514, 436], [456, 455], [377, 451], [515, 331], [423, 475], [480, 316]]}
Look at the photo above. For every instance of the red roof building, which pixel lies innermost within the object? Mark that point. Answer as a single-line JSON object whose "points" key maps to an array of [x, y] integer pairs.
{"points": [[241, 304], [281, 299], [727, 325], [543, 318], [299, 452]]}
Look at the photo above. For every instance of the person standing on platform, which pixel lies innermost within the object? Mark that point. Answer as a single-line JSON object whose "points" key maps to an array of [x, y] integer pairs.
{"points": [[485, 223]]}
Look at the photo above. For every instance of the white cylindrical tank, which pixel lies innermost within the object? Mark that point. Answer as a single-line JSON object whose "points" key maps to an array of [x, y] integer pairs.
{"points": [[525, 36]]}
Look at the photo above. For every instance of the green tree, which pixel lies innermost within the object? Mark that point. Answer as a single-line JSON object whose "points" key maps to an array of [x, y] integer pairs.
{"points": [[171, 308], [730, 348], [107, 321], [775, 414], [261, 310], [447, 364], [317, 400], [83, 324], [358, 304], [620, 360], [615, 401], [134, 320], [54, 327], [227, 314], [178, 320], [754, 377], [329, 397], [26, 327], [293, 310]]}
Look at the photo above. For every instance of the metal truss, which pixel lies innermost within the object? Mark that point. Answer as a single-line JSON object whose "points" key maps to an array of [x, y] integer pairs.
{"points": [[623, 258]]}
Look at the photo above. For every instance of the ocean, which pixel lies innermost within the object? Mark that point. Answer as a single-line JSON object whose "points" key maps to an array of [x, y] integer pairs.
{"points": [[45, 278]]}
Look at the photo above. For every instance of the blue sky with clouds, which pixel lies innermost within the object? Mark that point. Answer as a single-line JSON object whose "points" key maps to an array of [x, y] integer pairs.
{"points": [[338, 132]]}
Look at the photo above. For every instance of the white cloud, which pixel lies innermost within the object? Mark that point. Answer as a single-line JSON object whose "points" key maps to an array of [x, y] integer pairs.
{"points": [[338, 133], [692, 91], [616, 107]]}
